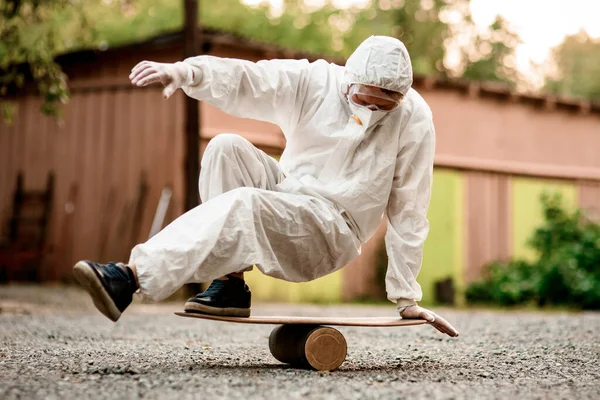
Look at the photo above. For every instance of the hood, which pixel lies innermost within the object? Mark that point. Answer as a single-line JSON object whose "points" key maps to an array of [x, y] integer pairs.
{"points": [[380, 61]]}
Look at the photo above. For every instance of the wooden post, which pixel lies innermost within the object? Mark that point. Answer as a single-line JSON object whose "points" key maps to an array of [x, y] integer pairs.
{"points": [[191, 168], [192, 111]]}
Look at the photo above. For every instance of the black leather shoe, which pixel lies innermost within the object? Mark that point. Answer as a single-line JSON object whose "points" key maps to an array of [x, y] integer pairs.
{"points": [[111, 286], [230, 297]]}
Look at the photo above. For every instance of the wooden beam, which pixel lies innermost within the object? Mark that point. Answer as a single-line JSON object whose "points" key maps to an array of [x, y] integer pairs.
{"points": [[536, 170]]}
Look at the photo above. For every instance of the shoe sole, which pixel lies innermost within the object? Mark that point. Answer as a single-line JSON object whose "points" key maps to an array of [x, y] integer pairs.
{"points": [[87, 278], [223, 312]]}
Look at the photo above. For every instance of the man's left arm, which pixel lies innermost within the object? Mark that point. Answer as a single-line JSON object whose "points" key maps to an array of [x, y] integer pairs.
{"points": [[407, 224]]}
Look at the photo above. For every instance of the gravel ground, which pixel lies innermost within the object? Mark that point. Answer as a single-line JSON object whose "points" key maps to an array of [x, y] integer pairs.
{"points": [[54, 345]]}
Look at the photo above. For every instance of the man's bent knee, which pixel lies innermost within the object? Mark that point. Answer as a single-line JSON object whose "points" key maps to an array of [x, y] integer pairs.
{"points": [[225, 143]]}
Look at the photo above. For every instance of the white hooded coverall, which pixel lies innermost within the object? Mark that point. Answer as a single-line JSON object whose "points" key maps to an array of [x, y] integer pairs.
{"points": [[306, 216]]}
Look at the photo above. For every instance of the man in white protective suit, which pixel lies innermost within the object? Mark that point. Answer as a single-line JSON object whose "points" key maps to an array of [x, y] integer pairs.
{"points": [[360, 146]]}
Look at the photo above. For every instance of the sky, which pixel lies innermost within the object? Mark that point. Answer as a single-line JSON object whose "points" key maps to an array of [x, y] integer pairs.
{"points": [[541, 24]]}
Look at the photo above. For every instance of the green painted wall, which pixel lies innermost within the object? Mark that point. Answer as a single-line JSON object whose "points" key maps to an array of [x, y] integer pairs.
{"points": [[327, 289], [443, 254], [527, 211]]}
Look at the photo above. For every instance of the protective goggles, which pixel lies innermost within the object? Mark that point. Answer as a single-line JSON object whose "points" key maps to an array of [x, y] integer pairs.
{"points": [[374, 98]]}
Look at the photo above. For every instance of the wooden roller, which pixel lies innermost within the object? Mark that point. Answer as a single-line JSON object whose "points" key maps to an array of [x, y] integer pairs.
{"points": [[305, 341], [308, 346]]}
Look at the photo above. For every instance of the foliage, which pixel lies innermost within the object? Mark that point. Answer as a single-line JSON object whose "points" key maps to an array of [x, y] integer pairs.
{"points": [[567, 271], [29, 39], [296, 26], [576, 62], [425, 28], [507, 284], [125, 22], [493, 58]]}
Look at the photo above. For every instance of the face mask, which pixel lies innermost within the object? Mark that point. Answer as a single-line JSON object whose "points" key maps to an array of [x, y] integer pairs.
{"points": [[365, 117]]}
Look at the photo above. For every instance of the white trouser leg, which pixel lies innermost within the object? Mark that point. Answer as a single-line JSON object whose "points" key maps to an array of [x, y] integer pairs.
{"points": [[288, 236], [230, 162]]}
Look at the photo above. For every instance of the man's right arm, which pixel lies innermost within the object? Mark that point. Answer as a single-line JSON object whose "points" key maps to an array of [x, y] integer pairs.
{"points": [[268, 90]]}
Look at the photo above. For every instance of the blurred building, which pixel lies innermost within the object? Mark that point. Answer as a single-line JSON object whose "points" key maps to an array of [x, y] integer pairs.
{"points": [[119, 146]]}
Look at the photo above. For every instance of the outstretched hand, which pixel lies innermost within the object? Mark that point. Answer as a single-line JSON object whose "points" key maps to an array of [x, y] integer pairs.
{"points": [[172, 76], [439, 323]]}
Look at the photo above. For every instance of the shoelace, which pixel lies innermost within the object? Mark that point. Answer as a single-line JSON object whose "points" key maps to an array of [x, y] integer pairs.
{"points": [[216, 286], [119, 271], [116, 270]]}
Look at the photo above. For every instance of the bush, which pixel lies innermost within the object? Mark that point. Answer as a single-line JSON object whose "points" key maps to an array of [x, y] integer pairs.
{"points": [[505, 283], [566, 273]]}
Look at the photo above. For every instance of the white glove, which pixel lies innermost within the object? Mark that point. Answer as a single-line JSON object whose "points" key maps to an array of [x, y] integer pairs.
{"points": [[439, 323], [172, 76]]}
